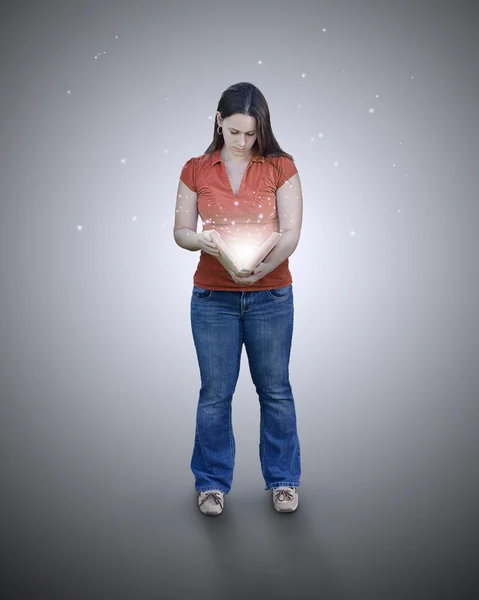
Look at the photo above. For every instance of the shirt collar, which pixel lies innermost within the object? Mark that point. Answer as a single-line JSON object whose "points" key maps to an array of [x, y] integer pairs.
{"points": [[215, 157]]}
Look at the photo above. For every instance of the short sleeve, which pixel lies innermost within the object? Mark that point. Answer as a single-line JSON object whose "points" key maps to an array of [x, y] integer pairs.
{"points": [[188, 174], [286, 169]]}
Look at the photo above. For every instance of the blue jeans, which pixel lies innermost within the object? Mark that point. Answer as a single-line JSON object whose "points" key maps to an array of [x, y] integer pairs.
{"points": [[221, 321]]}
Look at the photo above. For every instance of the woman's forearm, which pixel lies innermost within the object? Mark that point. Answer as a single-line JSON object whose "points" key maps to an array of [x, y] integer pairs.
{"points": [[187, 239], [284, 248]]}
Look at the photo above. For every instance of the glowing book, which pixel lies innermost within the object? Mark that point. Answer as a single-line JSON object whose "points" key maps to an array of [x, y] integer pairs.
{"points": [[246, 257]]}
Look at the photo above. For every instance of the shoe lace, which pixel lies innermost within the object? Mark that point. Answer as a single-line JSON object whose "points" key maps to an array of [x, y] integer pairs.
{"points": [[284, 494], [216, 496]]}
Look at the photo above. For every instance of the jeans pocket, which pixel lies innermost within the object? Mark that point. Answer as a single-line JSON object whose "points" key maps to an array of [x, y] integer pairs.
{"points": [[201, 293], [281, 292]]}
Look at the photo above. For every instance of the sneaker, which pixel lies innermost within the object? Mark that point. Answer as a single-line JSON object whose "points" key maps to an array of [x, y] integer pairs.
{"points": [[211, 502], [285, 499]]}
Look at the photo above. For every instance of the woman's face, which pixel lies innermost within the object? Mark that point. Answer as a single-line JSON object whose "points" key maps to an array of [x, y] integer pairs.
{"points": [[239, 131]]}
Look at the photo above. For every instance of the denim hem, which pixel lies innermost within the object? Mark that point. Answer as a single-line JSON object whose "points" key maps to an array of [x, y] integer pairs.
{"points": [[212, 488], [282, 484]]}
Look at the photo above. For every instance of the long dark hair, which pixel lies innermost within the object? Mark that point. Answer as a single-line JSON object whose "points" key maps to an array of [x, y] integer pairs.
{"points": [[246, 99]]}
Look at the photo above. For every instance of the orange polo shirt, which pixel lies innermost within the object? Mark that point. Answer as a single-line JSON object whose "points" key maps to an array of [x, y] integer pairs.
{"points": [[250, 216]]}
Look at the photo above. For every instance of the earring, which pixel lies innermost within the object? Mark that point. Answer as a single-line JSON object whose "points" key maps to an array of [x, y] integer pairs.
{"points": [[218, 130]]}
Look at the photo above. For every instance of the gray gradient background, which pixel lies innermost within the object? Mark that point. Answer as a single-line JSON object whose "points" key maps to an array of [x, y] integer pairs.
{"points": [[99, 376]]}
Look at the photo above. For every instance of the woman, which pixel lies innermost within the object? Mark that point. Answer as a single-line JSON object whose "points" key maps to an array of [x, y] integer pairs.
{"points": [[245, 187]]}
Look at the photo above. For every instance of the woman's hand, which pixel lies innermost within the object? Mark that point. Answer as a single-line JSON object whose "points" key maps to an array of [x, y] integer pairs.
{"points": [[206, 245], [258, 272]]}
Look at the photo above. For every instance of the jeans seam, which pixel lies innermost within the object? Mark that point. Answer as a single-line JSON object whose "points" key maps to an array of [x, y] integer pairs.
{"points": [[282, 484], [281, 296], [212, 487]]}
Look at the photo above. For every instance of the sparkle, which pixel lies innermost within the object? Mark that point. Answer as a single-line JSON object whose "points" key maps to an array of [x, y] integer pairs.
{"points": [[79, 227], [371, 110]]}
